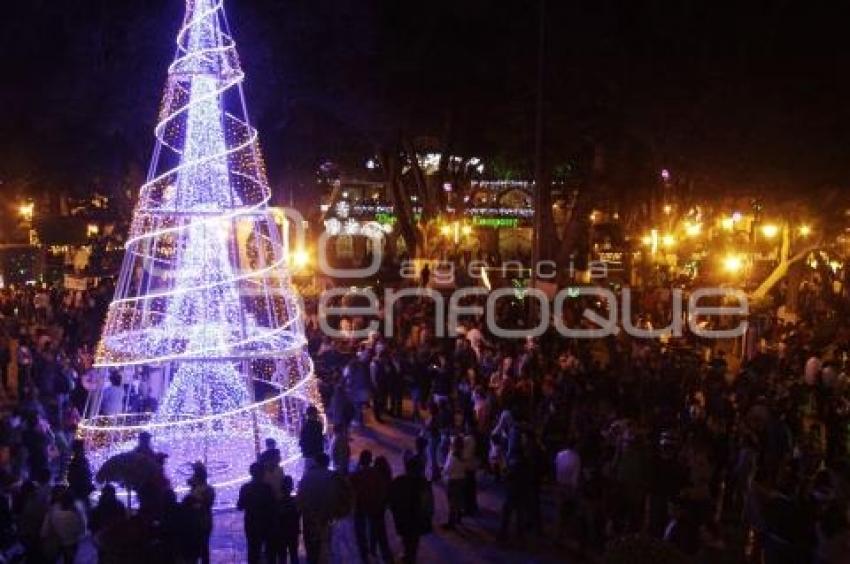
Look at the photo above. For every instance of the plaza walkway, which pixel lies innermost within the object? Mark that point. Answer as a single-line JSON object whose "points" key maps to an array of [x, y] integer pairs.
{"points": [[477, 541]]}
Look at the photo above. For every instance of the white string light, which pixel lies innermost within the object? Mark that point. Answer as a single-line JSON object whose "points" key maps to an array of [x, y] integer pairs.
{"points": [[204, 296]]}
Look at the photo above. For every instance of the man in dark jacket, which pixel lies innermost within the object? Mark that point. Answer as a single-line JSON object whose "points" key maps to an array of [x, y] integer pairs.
{"points": [[312, 440], [257, 500], [363, 483], [380, 376], [411, 503], [322, 497], [358, 380]]}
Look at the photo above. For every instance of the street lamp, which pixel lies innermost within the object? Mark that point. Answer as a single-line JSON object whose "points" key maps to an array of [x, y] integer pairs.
{"points": [[769, 230], [733, 263], [805, 230], [692, 229], [299, 258], [27, 211]]}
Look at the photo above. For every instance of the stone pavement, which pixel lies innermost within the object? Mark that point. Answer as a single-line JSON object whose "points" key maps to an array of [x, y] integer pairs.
{"points": [[476, 541]]}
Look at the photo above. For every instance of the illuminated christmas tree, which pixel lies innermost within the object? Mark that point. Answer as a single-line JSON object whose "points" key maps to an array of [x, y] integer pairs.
{"points": [[204, 322]]}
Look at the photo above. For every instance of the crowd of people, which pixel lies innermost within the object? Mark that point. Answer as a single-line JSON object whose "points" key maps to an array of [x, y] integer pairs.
{"points": [[656, 440], [672, 442]]}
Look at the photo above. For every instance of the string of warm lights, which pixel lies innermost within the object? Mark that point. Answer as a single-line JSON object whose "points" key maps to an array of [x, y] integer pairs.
{"points": [[204, 300]]}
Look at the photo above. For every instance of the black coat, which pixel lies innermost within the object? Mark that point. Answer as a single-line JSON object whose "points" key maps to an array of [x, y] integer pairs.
{"points": [[312, 439], [256, 499], [411, 503]]}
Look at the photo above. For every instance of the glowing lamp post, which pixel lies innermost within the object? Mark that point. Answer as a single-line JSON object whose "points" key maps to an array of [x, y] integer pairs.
{"points": [[733, 264], [26, 211], [769, 230], [299, 259], [693, 229]]}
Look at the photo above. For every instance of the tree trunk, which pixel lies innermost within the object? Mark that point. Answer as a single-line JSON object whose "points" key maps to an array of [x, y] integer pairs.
{"points": [[405, 220]]}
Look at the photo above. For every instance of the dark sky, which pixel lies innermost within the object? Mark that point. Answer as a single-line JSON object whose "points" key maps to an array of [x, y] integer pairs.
{"points": [[739, 95]]}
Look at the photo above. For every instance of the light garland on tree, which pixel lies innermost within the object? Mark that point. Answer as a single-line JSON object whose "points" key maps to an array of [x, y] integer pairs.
{"points": [[204, 295]]}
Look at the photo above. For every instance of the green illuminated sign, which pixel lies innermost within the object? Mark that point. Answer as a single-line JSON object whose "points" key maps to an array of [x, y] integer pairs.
{"points": [[385, 218], [495, 221]]}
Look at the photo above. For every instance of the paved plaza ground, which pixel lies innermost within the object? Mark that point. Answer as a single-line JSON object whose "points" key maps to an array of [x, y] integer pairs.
{"points": [[477, 541]]}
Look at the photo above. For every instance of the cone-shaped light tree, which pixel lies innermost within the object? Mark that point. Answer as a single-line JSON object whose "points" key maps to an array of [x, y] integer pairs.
{"points": [[204, 322]]}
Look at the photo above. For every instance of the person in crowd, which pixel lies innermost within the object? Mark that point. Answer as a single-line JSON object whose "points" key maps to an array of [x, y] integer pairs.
{"points": [[340, 450], [289, 520], [568, 481], [5, 359], [199, 505], [312, 440], [681, 531], [271, 450], [112, 396], [342, 409], [454, 473], [25, 361], [322, 497], [36, 440], [256, 500], [380, 376], [685, 440], [64, 527], [378, 541], [470, 480], [358, 381], [145, 446], [272, 472], [412, 505], [34, 501], [396, 384], [108, 512], [431, 433], [79, 473], [363, 483], [517, 485]]}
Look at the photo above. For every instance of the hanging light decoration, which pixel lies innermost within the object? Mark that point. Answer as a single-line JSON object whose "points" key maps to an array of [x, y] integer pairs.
{"points": [[204, 310]]}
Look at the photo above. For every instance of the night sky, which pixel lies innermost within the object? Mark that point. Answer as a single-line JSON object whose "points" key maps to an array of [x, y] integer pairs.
{"points": [[741, 96]]}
